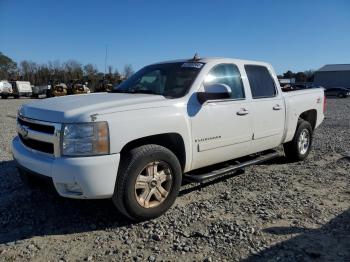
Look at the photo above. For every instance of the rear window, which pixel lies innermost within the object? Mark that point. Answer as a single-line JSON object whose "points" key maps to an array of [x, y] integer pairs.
{"points": [[260, 81]]}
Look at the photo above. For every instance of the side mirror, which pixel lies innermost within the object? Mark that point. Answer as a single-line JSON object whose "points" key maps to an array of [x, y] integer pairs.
{"points": [[214, 92]]}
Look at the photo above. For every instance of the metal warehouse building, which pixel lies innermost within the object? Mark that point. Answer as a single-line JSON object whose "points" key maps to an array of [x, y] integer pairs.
{"points": [[337, 75]]}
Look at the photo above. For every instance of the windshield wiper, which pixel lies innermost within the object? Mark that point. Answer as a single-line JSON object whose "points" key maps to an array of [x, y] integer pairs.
{"points": [[121, 91], [143, 91], [139, 91]]}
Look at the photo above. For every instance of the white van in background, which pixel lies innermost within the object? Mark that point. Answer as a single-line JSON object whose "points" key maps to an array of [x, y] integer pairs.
{"points": [[21, 88], [5, 89]]}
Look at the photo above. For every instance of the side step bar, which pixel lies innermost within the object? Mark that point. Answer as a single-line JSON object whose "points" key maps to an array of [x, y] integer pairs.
{"points": [[229, 169]]}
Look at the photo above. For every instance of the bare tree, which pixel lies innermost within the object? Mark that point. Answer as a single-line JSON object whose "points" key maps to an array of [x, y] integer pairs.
{"points": [[116, 73], [110, 70], [7, 67], [91, 75], [310, 75], [28, 70], [90, 71], [73, 70], [128, 71], [54, 72]]}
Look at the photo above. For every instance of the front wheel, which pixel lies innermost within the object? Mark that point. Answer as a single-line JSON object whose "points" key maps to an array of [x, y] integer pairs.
{"points": [[148, 182], [299, 148]]}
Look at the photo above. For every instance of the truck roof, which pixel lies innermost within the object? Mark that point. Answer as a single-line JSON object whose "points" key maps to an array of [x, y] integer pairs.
{"points": [[216, 60]]}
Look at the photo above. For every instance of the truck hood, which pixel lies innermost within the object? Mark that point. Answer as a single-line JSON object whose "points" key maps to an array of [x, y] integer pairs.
{"points": [[79, 108]]}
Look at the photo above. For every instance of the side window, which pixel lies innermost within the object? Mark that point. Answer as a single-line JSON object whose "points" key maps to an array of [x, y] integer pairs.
{"points": [[227, 74], [260, 81]]}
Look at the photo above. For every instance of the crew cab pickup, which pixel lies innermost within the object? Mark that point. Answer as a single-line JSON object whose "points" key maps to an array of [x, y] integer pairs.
{"points": [[166, 122]]}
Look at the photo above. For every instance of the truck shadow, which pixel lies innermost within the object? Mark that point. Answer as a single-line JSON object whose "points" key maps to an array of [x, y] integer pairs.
{"points": [[280, 160], [193, 186], [26, 212], [331, 242]]}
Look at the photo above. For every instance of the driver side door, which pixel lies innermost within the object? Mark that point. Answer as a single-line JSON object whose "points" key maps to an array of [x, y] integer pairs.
{"points": [[222, 129]]}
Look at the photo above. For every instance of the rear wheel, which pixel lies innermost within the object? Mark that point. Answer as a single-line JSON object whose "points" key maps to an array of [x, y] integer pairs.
{"points": [[299, 148], [148, 182]]}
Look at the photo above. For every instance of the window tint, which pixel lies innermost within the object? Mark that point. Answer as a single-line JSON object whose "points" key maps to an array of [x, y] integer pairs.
{"points": [[227, 74], [260, 81], [171, 80]]}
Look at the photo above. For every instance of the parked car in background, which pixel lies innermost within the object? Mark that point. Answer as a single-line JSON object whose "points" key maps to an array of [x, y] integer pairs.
{"points": [[5, 89], [40, 91], [302, 85], [80, 89], [340, 92], [58, 90], [21, 88], [75, 87], [103, 86]]}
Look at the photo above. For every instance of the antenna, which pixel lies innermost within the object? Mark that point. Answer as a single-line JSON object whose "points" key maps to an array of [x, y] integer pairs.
{"points": [[195, 57]]}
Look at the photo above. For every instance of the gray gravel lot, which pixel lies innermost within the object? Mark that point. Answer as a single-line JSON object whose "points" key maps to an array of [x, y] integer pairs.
{"points": [[276, 211]]}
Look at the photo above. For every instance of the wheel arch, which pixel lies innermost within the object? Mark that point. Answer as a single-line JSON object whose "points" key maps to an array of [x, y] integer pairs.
{"points": [[310, 116], [172, 141]]}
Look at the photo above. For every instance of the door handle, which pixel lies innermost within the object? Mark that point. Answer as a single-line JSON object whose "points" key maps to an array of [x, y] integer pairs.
{"points": [[277, 107], [242, 112]]}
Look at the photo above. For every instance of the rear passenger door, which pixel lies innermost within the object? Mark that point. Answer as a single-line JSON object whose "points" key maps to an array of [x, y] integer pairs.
{"points": [[268, 108]]}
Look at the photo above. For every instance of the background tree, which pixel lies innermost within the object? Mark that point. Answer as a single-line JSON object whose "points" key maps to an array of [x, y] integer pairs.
{"points": [[288, 74], [73, 70], [90, 71], [54, 72], [128, 71], [7, 67], [117, 74], [310, 74], [28, 71], [300, 77]]}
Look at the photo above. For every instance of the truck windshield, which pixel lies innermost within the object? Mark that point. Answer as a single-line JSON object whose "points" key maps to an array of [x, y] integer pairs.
{"points": [[171, 80]]}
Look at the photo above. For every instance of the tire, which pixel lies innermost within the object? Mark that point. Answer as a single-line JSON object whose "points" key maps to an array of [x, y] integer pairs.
{"points": [[147, 165], [293, 150], [4, 97]]}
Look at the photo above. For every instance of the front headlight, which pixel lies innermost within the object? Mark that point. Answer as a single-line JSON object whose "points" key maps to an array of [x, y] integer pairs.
{"points": [[85, 139]]}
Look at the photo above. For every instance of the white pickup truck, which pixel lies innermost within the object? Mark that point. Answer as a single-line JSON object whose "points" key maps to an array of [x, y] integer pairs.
{"points": [[165, 123]]}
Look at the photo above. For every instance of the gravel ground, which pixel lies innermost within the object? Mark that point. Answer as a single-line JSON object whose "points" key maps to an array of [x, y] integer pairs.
{"points": [[276, 211]]}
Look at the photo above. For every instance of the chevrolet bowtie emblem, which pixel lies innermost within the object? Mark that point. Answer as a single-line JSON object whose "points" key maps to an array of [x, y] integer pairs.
{"points": [[23, 131]]}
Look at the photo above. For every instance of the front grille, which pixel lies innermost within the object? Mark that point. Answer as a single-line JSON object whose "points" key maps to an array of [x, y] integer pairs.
{"points": [[37, 145], [37, 127], [39, 135]]}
